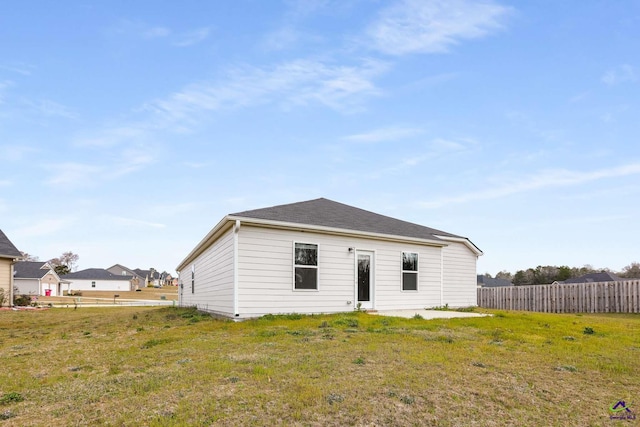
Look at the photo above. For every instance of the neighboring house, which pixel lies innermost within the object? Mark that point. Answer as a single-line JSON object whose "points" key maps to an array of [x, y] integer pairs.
{"points": [[9, 254], [36, 278], [490, 282], [322, 256], [97, 279], [150, 277], [604, 276], [138, 281]]}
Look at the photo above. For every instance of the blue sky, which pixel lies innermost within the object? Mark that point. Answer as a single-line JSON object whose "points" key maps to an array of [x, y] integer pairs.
{"points": [[129, 129]]}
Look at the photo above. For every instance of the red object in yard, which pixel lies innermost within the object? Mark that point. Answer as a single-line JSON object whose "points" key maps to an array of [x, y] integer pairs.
{"points": [[47, 292]]}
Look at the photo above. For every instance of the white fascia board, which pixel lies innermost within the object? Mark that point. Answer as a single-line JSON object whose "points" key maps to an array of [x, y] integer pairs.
{"points": [[337, 231], [468, 243], [215, 232]]}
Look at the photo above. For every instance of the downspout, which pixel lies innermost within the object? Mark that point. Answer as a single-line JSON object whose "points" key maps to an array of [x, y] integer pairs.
{"points": [[441, 277], [236, 229], [12, 272]]}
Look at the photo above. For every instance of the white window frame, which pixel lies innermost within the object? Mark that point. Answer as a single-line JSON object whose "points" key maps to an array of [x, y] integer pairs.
{"points": [[193, 278], [416, 272], [315, 267]]}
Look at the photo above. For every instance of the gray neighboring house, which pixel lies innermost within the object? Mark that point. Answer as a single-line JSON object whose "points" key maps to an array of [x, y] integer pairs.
{"points": [[321, 256], [9, 255], [36, 278], [490, 282], [98, 279], [603, 276], [138, 281]]}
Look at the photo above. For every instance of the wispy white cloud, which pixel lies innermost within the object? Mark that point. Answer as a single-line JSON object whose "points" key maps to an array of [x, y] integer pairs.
{"points": [[434, 26], [71, 175], [384, 134], [294, 83], [50, 108], [434, 149], [192, 37], [155, 32], [113, 136], [15, 152], [621, 74], [131, 222], [544, 179], [44, 227], [19, 68]]}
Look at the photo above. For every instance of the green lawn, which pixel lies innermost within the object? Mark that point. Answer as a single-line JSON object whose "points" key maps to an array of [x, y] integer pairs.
{"points": [[168, 366]]}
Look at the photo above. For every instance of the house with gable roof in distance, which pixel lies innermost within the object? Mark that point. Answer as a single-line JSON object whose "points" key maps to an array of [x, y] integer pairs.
{"points": [[321, 256], [9, 255], [97, 279], [37, 278]]}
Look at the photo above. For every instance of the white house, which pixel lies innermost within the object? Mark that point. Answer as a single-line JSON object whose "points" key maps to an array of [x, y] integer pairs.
{"points": [[321, 256], [97, 279], [36, 278]]}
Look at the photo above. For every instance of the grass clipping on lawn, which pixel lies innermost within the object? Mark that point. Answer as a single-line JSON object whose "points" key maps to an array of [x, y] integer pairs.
{"points": [[172, 366]]}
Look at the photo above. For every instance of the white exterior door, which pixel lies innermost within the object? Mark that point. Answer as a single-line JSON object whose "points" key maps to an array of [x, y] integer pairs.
{"points": [[365, 279]]}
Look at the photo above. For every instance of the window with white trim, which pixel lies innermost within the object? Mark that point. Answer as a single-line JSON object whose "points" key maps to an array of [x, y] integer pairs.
{"points": [[305, 262], [409, 271]]}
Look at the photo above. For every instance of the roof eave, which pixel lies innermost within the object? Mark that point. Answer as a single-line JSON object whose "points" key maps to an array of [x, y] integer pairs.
{"points": [[335, 231], [468, 243], [212, 236]]}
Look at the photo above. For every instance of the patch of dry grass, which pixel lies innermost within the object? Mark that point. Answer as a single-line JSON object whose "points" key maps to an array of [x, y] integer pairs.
{"points": [[167, 366]]}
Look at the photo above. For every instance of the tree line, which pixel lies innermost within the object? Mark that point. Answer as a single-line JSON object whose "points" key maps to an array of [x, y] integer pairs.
{"points": [[544, 275]]}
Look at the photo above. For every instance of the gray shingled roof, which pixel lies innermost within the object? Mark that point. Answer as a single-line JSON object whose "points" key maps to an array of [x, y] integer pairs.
{"points": [[490, 282], [594, 277], [29, 270], [94, 274], [7, 249], [327, 213]]}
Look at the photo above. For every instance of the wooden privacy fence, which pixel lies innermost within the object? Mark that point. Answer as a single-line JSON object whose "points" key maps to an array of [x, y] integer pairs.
{"points": [[600, 297]]}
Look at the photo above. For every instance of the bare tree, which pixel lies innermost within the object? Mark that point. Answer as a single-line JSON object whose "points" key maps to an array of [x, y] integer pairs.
{"points": [[28, 257], [65, 263]]}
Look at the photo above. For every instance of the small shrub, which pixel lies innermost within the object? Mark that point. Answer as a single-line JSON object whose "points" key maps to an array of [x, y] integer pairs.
{"points": [[233, 379], [334, 398], [417, 316], [324, 324], [566, 368], [359, 361], [588, 331], [478, 364], [441, 307], [6, 415], [12, 397], [407, 400], [153, 342], [569, 338], [21, 300]]}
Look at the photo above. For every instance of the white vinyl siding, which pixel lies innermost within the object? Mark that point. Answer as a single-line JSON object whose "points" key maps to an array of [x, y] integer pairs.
{"points": [[265, 270], [213, 278], [460, 280], [27, 286], [100, 285]]}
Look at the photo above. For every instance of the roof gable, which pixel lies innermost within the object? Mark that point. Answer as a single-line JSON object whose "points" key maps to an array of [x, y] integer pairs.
{"points": [[7, 249], [31, 269], [327, 213]]}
